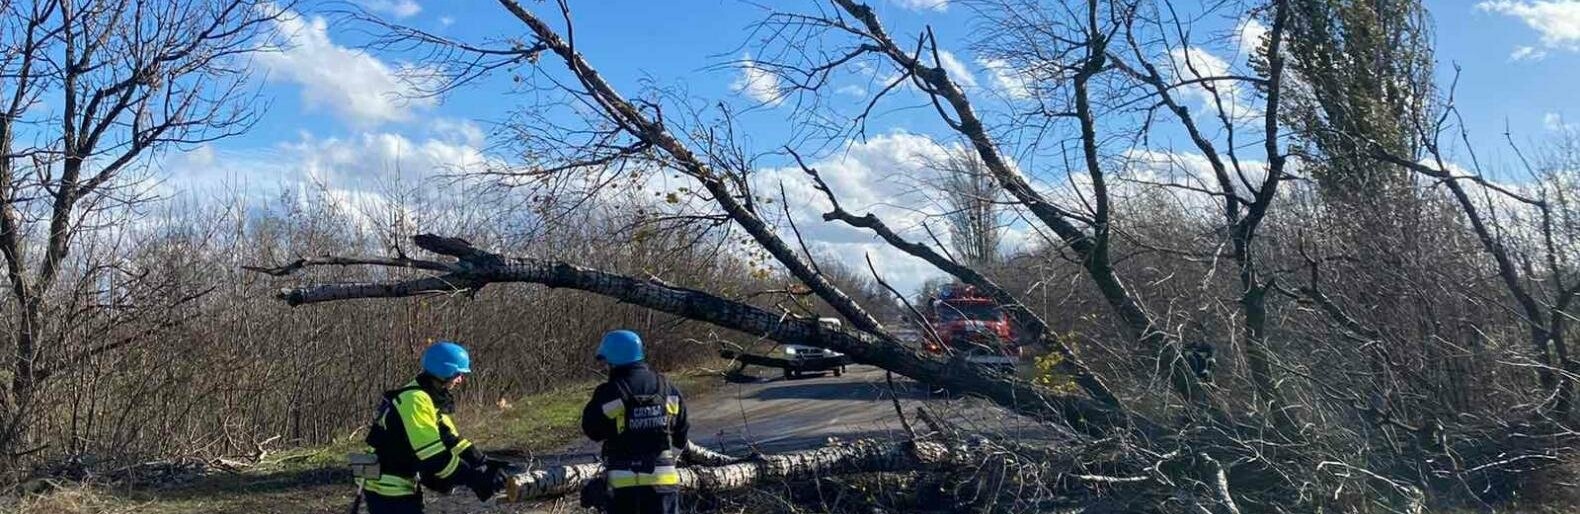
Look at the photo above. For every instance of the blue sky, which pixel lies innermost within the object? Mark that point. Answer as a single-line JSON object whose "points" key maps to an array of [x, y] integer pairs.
{"points": [[335, 119]]}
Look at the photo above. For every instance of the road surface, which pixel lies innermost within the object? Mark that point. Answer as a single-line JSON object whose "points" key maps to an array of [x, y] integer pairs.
{"points": [[766, 413]]}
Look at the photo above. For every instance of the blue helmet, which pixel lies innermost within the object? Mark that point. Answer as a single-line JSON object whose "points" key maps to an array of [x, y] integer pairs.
{"points": [[445, 360], [621, 347]]}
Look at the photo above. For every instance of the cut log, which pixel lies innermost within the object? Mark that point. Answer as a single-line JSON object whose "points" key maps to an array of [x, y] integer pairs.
{"points": [[862, 456], [696, 454]]}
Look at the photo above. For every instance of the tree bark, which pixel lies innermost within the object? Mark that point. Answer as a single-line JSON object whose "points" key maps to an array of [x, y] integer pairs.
{"points": [[653, 131], [477, 268], [862, 456]]}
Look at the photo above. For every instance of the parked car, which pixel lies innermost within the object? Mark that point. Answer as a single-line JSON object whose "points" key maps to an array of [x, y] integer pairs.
{"points": [[796, 359]]}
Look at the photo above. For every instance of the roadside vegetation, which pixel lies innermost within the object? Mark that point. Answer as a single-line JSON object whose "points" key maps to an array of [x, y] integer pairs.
{"points": [[313, 478], [1281, 281]]}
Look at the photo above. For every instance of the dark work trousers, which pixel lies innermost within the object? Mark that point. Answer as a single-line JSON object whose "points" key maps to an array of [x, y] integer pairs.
{"points": [[379, 504], [645, 500]]}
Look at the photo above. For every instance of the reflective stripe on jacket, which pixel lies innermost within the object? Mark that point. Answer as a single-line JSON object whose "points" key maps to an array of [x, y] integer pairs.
{"points": [[639, 425], [414, 435], [660, 476]]}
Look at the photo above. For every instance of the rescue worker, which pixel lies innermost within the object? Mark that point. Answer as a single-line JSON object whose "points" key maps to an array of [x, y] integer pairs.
{"points": [[416, 443], [641, 420]]}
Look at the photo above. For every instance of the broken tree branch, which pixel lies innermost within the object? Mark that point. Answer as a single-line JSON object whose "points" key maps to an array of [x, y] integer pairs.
{"points": [[476, 268], [1070, 363]]}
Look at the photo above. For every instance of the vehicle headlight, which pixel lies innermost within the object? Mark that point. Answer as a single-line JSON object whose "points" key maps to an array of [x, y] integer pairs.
{"points": [[789, 351]]}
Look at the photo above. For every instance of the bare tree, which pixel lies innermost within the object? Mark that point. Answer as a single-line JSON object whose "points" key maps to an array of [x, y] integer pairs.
{"points": [[1101, 73], [971, 207], [1534, 276], [94, 88], [639, 126]]}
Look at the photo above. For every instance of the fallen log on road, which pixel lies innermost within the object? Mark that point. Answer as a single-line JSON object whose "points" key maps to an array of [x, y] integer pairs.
{"points": [[862, 456]]}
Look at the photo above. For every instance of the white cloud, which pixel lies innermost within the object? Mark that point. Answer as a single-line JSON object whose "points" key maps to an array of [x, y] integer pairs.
{"points": [[372, 178], [445, 21], [882, 175], [396, 8], [1248, 36], [1014, 83], [1558, 21], [1527, 53], [1192, 63], [458, 131], [924, 5], [1190, 170], [952, 66], [367, 162], [957, 70], [370, 158], [358, 87], [758, 83], [203, 155], [1555, 122], [1196, 62]]}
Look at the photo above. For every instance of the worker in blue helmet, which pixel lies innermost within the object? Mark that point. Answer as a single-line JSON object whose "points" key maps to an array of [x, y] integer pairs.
{"points": [[415, 442], [641, 420]]}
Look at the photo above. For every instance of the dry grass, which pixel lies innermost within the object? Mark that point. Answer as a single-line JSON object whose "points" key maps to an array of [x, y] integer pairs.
{"points": [[313, 480]]}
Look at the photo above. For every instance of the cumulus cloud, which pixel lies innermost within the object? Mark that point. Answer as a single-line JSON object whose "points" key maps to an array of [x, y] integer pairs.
{"points": [[1248, 36], [957, 70], [1557, 21], [924, 5], [879, 176], [201, 156], [396, 8], [457, 131], [1014, 83], [356, 86], [367, 164], [1192, 63], [369, 158], [875, 175], [1190, 171], [758, 83]]}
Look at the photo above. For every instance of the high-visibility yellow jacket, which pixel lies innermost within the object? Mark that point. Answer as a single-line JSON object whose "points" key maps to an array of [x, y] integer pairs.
{"points": [[416, 441]]}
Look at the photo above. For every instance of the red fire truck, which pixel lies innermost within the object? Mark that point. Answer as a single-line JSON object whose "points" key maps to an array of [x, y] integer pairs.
{"points": [[971, 324]]}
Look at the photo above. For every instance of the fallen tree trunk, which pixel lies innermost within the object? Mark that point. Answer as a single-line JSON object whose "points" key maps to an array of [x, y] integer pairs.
{"points": [[475, 268], [862, 456]]}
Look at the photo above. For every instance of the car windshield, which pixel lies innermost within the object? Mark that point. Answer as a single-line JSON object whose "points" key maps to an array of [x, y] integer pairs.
{"points": [[967, 312]]}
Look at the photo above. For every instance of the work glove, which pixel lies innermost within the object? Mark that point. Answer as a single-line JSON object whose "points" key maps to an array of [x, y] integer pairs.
{"points": [[491, 477], [489, 480], [474, 457], [504, 467]]}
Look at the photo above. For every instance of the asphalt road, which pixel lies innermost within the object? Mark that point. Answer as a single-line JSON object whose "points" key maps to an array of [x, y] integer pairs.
{"points": [[764, 412], [776, 415]]}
